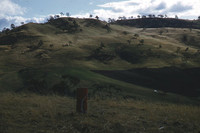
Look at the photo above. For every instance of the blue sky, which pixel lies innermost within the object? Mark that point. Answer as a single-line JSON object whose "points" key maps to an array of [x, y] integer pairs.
{"points": [[46, 7], [17, 11]]}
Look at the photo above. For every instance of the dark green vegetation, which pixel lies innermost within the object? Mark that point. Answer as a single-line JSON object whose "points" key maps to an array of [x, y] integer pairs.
{"points": [[41, 65], [160, 22], [168, 79]]}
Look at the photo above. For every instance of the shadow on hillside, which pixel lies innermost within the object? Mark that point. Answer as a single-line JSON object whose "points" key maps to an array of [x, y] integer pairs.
{"points": [[168, 79], [159, 22]]}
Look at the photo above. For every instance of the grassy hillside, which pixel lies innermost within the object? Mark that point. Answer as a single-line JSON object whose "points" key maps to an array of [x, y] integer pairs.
{"points": [[90, 44], [41, 65], [61, 54]]}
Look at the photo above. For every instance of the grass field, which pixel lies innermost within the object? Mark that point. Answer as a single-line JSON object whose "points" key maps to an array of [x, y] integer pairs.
{"points": [[24, 113]]}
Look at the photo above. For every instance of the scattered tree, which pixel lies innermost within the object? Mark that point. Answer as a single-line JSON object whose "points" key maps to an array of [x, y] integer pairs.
{"points": [[50, 18], [51, 45], [190, 29], [22, 23], [5, 30], [119, 18], [136, 35], [97, 17], [124, 18], [184, 38], [107, 28], [186, 49], [111, 20], [198, 17], [67, 14], [12, 26], [40, 43], [75, 24], [150, 16], [142, 41], [61, 13], [178, 50], [56, 16], [90, 16], [176, 16], [125, 32], [160, 32], [102, 45], [160, 16], [143, 16], [138, 16]]}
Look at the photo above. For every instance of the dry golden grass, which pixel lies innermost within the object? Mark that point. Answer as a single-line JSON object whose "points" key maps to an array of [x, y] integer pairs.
{"points": [[24, 113]]}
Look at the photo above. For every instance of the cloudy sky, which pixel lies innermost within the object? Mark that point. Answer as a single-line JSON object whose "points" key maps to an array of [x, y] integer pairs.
{"points": [[17, 11]]}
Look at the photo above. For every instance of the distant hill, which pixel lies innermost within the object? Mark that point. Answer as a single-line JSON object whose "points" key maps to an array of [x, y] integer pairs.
{"points": [[160, 22]]}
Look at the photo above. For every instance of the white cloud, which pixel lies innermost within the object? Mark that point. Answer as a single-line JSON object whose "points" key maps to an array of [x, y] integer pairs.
{"points": [[11, 13], [10, 8], [182, 8], [8, 20], [81, 15]]}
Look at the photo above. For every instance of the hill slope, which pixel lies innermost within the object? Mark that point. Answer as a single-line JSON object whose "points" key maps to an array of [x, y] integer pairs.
{"points": [[56, 57]]}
